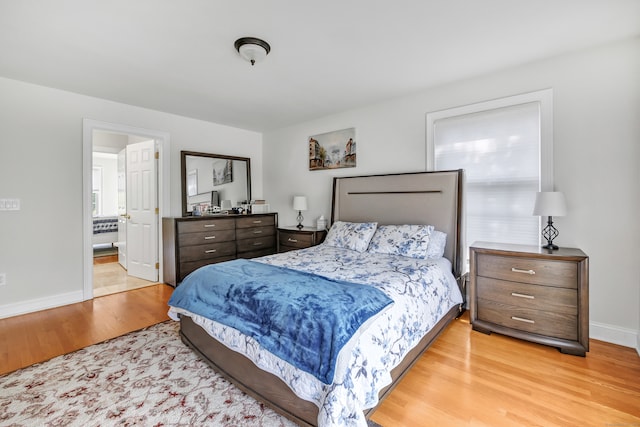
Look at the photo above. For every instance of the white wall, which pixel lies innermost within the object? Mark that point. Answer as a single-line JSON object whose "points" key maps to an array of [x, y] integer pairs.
{"points": [[596, 151], [41, 164]]}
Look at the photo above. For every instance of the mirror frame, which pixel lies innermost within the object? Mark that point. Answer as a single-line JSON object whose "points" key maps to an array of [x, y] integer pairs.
{"points": [[183, 173]]}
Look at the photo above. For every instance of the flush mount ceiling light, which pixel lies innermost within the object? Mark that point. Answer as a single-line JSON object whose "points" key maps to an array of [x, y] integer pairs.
{"points": [[252, 49]]}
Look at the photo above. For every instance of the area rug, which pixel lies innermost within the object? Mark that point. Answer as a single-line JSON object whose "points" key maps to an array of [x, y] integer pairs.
{"points": [[145, 378]]}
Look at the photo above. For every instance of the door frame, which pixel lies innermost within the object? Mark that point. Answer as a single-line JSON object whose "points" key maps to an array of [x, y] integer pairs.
{"points": [[163, 143]]}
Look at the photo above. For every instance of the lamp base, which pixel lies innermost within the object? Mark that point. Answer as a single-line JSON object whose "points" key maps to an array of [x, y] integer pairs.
{"points": [[550, 233], [300, 218]]}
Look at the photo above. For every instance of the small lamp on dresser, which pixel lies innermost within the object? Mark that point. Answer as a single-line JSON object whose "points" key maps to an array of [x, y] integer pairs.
{"points": [[300, 204], [550, 204]]}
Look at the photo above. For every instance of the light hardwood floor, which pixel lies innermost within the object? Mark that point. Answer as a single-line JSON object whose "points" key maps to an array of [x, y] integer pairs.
{"points": [[465, 379], [110, 277]]}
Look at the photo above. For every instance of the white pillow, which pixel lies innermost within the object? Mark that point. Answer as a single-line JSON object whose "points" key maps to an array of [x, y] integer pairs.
{"points": [[437, 243], [406, 240], [351, 235]]}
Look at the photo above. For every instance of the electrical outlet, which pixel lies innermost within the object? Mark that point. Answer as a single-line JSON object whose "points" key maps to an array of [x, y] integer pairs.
{"points": [[3, 279]]}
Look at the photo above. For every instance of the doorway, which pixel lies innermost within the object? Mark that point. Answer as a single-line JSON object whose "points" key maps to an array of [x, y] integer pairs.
{"points": [[111, 273]]}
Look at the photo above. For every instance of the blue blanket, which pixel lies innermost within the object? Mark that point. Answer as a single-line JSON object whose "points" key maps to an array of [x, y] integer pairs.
{"points": [[302, 318]]}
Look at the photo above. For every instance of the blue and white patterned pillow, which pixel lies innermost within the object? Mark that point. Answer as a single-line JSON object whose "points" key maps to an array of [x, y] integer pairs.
{"points": [[437, 243], [351, 235], [406, 240]]}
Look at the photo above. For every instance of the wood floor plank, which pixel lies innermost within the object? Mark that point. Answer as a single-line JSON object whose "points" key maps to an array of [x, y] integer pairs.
{"points": [[471, 379], [465, 379], [36, 337]]}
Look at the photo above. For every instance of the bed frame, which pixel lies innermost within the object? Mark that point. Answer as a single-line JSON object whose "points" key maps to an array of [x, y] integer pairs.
{"points": [[412, 198]]}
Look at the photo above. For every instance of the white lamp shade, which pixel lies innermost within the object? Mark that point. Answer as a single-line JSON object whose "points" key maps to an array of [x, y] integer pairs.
{"points": [[299, 203], [550, 203]]}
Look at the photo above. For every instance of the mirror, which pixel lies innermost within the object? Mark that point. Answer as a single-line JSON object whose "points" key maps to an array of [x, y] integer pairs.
{"points": [[214, 182]]}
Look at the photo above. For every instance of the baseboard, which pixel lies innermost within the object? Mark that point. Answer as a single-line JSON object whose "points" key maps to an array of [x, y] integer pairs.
{"points": [[9, 310], [615, 335]]}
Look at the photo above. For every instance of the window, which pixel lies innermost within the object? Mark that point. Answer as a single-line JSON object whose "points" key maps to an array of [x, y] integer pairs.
{"points": [[505, 148]]}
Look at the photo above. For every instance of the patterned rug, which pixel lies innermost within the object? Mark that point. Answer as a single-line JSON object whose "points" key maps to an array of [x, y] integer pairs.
{"points": [[145, 378]]}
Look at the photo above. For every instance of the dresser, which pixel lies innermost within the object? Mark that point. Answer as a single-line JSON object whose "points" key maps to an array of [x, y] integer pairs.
{"points": [[531, 293], [192, 242], [291, 238]]}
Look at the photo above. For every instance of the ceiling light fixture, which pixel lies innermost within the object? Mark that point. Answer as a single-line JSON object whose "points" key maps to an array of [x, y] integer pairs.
{"points": [[252, 49]]}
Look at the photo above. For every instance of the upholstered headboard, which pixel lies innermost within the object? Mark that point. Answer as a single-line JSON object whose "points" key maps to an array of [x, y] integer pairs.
{"points": [[433, 198]]}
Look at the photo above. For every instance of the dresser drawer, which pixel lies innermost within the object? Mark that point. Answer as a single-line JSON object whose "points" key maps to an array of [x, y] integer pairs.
{"points": [[536, 297], [198, 225], [188, 267], [256, 221], [539, 322], [527, 270], [250, 233], [206, 237], [257, 243], [208, 251], [295, 240]]}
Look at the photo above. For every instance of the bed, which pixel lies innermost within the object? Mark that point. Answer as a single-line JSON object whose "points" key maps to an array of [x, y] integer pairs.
{"points": [[426, 295], [105, 230]]}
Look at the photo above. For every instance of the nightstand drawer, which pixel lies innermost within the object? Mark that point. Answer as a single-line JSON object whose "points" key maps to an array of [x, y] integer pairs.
{"points": [[296, 240], [536, 297], [527, 270], [551, 324]]}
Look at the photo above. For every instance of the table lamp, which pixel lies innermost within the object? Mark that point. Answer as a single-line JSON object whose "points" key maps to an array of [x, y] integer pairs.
{"points": [[550, 203]]}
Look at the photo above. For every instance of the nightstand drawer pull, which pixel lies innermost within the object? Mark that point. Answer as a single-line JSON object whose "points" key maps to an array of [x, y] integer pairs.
{"points": [[209, 225], [515, 294], [209, 237], [520, 319], [518, 270], [259, 221], [292, 240], [210, 251], [257, 232]]}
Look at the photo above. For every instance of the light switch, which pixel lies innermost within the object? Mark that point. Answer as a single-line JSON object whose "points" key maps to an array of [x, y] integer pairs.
{"points": [[9, 204]]}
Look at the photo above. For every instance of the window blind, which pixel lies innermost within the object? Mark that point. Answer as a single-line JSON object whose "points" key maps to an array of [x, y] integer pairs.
{"points": [[499, 149]]}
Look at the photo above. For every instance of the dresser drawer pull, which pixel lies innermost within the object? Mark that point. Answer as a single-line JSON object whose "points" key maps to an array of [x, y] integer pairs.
{"points": [[292, 240], [521, 319], [257, 221], [210, 251], [518, 270], [515, 294], [257, 243], [257, 232], [209, 237], [209, 225]]}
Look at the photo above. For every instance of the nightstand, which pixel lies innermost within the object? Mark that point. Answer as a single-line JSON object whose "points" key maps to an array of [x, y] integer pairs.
{"points": [[531, 293], [291, 238]]}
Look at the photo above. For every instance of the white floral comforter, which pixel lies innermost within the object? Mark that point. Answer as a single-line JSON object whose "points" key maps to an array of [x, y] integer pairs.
{"points": [[423, 291]]}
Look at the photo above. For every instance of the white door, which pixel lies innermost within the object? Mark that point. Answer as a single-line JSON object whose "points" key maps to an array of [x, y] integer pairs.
{"points": [[142, 219], [122, 209]]}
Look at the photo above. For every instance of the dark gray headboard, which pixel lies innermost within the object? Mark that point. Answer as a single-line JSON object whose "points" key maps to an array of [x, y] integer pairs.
{"points": [[433, 198]]}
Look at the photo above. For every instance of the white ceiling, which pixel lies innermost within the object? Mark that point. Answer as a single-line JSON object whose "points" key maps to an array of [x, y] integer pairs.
{"points": [[327, 56]]}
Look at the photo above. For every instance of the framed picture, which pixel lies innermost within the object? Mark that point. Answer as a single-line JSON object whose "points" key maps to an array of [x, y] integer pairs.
{"points": [[222, 171], [333, 150], [192, 182]]}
